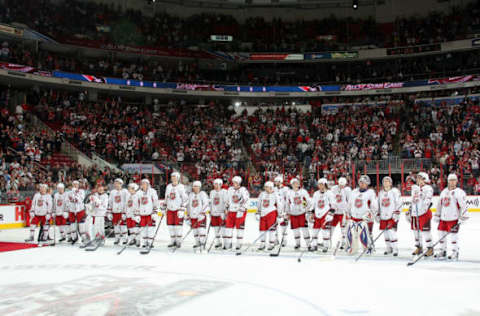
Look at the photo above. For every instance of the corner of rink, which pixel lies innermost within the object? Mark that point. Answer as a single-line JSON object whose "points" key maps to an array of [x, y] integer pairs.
{"points": [[65, 280]]}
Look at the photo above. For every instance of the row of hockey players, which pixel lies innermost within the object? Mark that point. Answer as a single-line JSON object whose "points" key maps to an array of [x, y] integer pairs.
{"points": [[354, 211]]}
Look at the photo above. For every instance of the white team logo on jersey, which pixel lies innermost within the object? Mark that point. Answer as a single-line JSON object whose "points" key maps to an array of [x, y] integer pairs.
{"points": [[297, 200], [416, 197], [266, 203], [446, 201], [216, 201], [321, 203], [144, 200], [118, 199], [386, 202], [40, 202], [235, 199], [130, 203], [339, 198], [59, 203], [195, 203], [358, 203], [172, 196]]}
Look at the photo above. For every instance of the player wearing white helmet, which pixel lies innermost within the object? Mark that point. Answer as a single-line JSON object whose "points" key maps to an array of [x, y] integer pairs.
{"points": [[282, 190], [133, 215], [176, 201], [451, 212], [420, 214], [77, 215], [60, 211], [97, 208], [116, 211], [40, 213], [298, 202], [322, 201], [390, 205], [363, 207], [268, 204], [341, 193], [196, 212], [218, 207], [237, 201], [148, 211]]}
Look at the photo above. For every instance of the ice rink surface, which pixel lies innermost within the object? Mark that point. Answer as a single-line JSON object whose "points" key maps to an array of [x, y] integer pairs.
{"points": [[65, 280]]}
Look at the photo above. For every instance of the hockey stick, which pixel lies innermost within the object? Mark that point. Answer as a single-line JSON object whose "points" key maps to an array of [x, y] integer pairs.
{"points": [[99, 241], [238, 253], [373, 243], [279, 247], [153, 239], [189, 231], [411, 263], [40, 233], [208, 231]]}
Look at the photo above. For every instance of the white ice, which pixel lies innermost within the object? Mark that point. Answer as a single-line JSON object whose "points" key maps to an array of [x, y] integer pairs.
{"points": [[65, 280]]}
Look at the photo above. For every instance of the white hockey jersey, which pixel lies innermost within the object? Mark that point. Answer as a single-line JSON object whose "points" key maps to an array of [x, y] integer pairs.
{"points": [[322, 202], [99, 204], [148, 201], [60, 203], [218, 202], [282, 193], [363, 202], [42, 204], [452, 204], [75, 200], [421, 199], [133, 205], [269, 202], [389, 202], [341, 198], [176, 197], [298, 202], [117, 201], [237, 199], [197, 204]]}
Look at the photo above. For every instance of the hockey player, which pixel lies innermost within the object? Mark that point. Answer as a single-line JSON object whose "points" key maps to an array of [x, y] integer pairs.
{"points": [[196, 208], [362, 210], [40, 212], [451, 212], [60, 211], [116, 211], [132, 214], [420, 214], [282, 192], [298, 202], [176, 201], [98, 210], [269, 202], [322, 201], [218, 201], [390, 204], [77, 215], [341, 193], [237, 199], [148, 212]]}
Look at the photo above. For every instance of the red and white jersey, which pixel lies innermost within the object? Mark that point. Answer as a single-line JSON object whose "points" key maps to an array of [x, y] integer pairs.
{"points": [[298, 202], [269, 202], [75, 200], [99, 204], [118, 200], [389, 202], [133, 205], [197, 204], [218, 202], [282, 193], [42, 204], [148, 201], [60, 203], [421, 199], [237, 199], [341, 198], [362, 203], [452, 204], [175, 196], [322, 202]]}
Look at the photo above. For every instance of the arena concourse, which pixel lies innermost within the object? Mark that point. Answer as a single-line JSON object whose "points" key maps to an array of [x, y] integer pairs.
{"points": [[247, 157]]}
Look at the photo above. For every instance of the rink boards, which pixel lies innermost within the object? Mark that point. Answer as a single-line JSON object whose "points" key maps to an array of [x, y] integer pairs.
{"points": [[12, 215]]}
